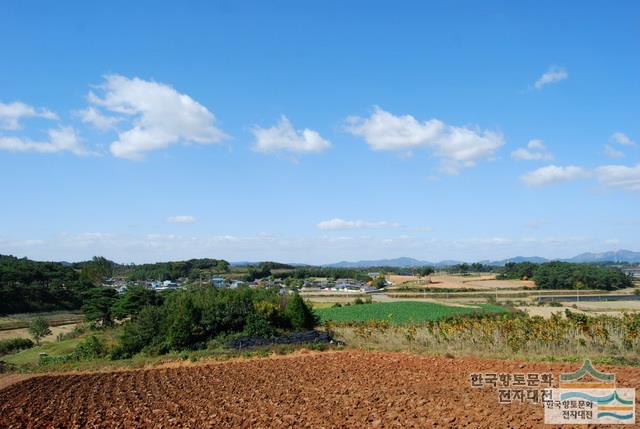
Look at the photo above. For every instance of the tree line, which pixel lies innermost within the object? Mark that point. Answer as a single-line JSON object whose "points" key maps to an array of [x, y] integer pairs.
{"points": [[161, 271], [566, 275], [30, 286]]}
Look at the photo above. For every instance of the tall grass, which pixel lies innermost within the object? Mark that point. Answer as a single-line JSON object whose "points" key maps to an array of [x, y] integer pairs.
{"points": [[500, 336]]}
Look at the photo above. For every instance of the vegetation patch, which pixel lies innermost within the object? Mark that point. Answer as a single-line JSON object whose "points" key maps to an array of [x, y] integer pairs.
{"points": [[402, 312], [514, 335]]}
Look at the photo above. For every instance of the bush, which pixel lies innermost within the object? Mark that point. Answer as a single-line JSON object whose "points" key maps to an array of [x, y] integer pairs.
{"points": [[258, 326], [14, 345], [358, 301], [91, 348], [75, 333]]}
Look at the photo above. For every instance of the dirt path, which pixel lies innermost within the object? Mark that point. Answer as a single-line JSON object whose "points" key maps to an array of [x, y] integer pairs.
{"points": [[345, 389]]}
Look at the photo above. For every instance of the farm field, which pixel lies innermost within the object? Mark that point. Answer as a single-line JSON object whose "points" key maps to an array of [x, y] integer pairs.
{"points": [[351, 389], [595, 308], [449, 281], [608, 305], [55, 318], [401, 312], [24, 332]]}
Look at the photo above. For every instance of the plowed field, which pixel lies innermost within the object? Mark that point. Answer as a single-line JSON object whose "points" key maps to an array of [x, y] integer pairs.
{"points": [[319, 390]]}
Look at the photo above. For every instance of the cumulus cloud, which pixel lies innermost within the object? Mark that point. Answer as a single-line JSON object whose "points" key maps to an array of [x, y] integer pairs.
{"points": [[181, 219], [95, 117], [339, 224], [553, 174], [12, 113], [553, 75], [620, 176], [456, 147], [157, 114], [283, 137], [622, 139], [60, 139], [535, 151], [612, 152]]}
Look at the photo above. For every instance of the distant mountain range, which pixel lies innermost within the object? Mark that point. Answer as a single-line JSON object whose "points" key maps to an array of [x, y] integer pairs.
{"points": [[613, 256]]}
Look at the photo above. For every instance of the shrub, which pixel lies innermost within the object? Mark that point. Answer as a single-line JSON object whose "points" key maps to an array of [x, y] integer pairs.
{"points": [[258, 326], [75, 333], [14, 345], [358, 301], [91, 348]]}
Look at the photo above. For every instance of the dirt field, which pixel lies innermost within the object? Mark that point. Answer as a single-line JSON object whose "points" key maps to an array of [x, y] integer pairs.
{"points": [[24, 332], [448, 281], [630, 306], [319, 390], [597, 308]]}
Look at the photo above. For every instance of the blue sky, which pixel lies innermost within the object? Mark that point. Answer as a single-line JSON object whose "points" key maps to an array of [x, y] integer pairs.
{"points": [[318, 131]]}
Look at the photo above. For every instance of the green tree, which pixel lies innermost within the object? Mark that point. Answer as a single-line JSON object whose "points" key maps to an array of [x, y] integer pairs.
{"points": [[134, 299], [379, 282], [39, 329], [184, 327], [425, 271], [293, 283], [299, 314], [97, 270], [98, 303], [464, 268]]}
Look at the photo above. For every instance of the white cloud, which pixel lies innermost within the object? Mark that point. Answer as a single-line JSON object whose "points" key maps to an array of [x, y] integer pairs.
{"points": [[535, 151], [553, 174], [284, 138], [456, 147], [159, 116], [141, 248], [181, 219], [93, 116], [554, 74], [60, 139], [612, 152], [339, 224], [620, 176], [622, 139], [12, 113]]}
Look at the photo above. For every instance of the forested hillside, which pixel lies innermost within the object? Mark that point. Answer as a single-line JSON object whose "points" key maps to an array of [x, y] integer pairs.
{"points": [[27, 285]]}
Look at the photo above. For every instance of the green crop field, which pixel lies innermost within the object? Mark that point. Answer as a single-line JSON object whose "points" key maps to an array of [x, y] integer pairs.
{"points": [[401, 312]]}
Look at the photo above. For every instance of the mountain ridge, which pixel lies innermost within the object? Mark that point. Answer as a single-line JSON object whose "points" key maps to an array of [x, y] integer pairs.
{"points": [[627, 256]]}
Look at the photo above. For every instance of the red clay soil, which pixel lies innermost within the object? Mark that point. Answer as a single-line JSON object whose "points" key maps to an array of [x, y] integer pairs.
{"points": [[321, 390]]}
